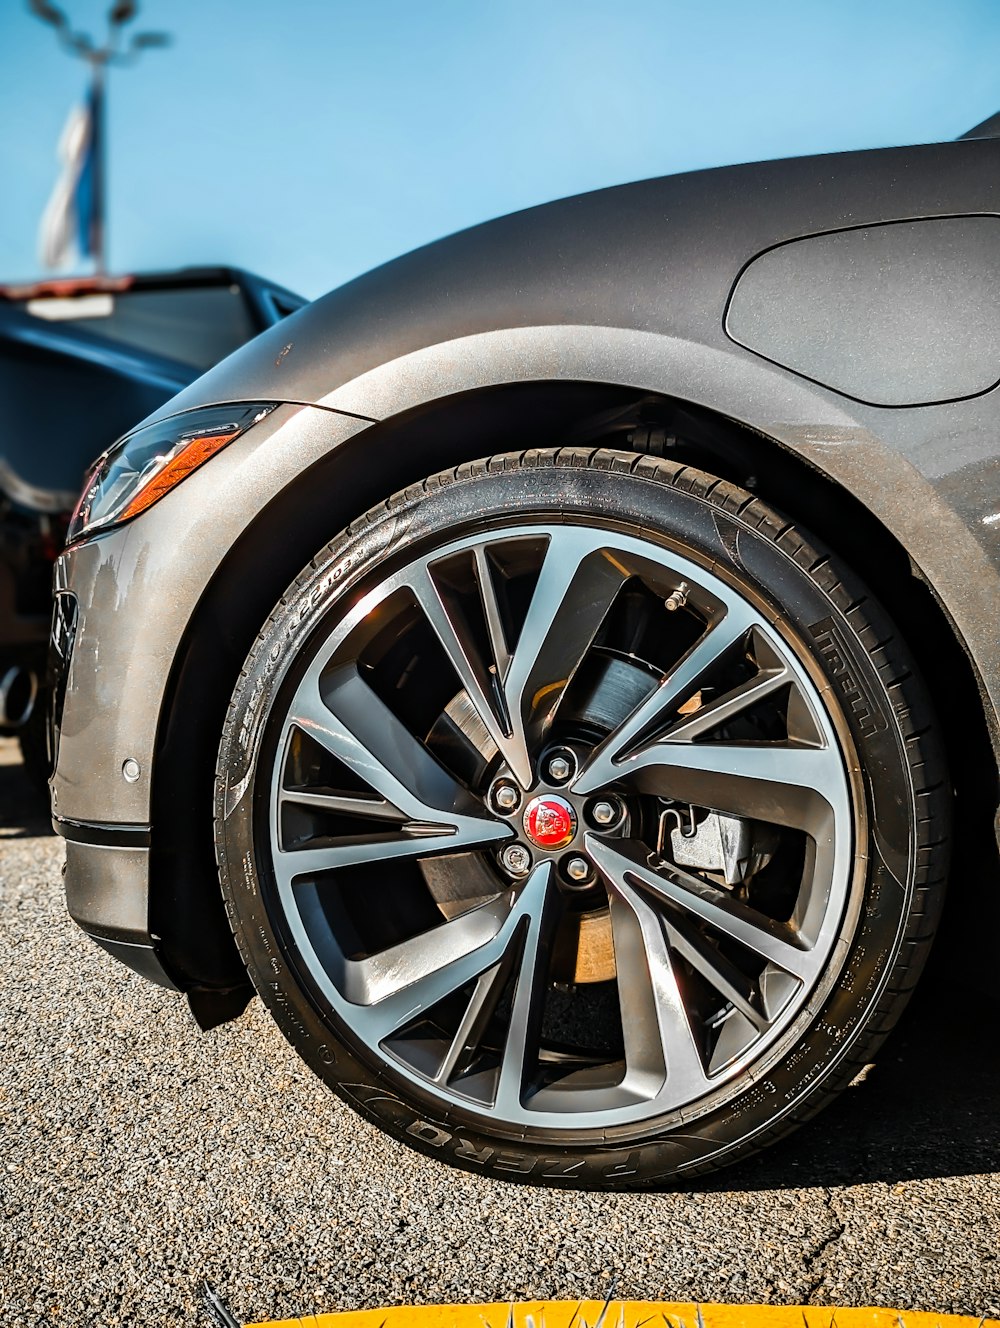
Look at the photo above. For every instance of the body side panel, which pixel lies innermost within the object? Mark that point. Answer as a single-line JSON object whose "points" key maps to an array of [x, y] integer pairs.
{"points": [[171, 554], [627, 286], [630, 285]]}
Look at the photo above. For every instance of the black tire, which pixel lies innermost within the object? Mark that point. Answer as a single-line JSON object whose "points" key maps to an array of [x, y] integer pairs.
{"points": [[873, 695]]}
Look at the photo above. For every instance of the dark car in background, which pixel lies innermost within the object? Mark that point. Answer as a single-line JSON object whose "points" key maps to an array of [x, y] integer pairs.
{"points": [[561, 656], [81, 360]]}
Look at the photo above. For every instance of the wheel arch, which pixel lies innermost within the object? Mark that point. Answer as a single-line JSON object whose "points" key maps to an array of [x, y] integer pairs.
{"points": [[186, 911]]}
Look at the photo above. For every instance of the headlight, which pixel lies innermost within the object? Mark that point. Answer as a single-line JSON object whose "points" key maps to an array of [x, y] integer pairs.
{"points": [[145, 465]]}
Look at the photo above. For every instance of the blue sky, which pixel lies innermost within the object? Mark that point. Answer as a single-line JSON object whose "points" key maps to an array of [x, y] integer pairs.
{"points": [[313, 139]]}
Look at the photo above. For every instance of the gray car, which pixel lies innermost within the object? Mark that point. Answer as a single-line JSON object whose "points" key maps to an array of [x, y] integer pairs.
{"points": [[552, 668]]}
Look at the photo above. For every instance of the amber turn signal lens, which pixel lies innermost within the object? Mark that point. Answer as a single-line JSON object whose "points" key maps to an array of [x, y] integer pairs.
{"points": [[195, 453]]}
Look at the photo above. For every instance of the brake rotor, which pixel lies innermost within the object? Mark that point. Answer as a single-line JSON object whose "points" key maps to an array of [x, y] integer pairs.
{"points": [[585, 950]]}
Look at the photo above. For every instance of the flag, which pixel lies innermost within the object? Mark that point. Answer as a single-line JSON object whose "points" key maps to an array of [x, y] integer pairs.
{"points": [[70, 225]]}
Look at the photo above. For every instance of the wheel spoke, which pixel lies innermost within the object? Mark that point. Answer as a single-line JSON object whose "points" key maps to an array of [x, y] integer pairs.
{"points": [[723, 975], [436, 814], [780, 783], [516, 696], [415, 965], [491, 612], [480, 677], [344, 804], [726, 707], [611, 759], [659, 1041], [472, 1026], [352, 851], [524, 1030], [576, 587], [391, 989], [706, 903], [352, 723]]}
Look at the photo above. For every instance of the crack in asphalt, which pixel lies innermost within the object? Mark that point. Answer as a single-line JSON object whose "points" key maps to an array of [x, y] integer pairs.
{"points": [[816, 1258]]}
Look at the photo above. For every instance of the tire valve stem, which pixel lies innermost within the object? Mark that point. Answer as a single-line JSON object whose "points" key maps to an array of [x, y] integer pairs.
{"points": [[678, 599]]}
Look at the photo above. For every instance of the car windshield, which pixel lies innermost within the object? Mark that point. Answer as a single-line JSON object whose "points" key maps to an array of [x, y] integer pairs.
{"points": [[197, 325]]}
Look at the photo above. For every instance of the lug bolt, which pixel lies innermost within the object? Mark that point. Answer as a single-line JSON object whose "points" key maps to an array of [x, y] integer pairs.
{"points": [[516, 859], [560, 767], [577, 869], [604, 813], [505, 797]]}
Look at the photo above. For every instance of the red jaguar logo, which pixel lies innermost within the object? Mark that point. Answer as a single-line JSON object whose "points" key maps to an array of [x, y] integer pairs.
{"points": [[549, 822]]}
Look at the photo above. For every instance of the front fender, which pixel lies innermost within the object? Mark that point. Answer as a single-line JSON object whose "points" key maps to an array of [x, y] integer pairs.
{"points": [[183, 540]]}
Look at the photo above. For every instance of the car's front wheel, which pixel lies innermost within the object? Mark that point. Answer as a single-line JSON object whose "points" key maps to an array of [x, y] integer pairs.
{"points": [[580, 820]]}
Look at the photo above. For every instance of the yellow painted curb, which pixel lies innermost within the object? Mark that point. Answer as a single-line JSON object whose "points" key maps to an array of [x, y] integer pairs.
{"points": [[628, 1314]]}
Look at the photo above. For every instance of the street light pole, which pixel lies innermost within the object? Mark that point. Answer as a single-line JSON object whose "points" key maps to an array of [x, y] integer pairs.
{"points": [[99, 223], [100, 58]]}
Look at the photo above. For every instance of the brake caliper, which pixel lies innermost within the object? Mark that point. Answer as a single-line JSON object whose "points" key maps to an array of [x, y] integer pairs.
{"points": [[730, 846]]}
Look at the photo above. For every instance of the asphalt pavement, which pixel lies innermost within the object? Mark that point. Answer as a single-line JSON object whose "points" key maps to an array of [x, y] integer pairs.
{"points": [[139, 1157]]}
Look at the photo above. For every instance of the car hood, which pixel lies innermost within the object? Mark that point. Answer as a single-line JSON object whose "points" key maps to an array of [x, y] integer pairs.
{"points": [[657, 256]]}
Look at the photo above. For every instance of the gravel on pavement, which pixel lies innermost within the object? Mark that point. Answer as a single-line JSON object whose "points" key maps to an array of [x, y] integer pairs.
{"points": [[139, 1156]]}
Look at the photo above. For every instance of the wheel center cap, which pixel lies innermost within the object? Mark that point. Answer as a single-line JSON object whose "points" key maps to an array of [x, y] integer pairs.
{"points": [[549, 822]]}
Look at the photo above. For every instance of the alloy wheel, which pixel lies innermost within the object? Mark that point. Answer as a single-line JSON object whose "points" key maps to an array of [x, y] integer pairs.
{"points": [[561, 827]]}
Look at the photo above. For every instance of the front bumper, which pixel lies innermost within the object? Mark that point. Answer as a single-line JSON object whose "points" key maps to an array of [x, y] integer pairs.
{"points": [[107, 866], [107, 894], [131, 593]]}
